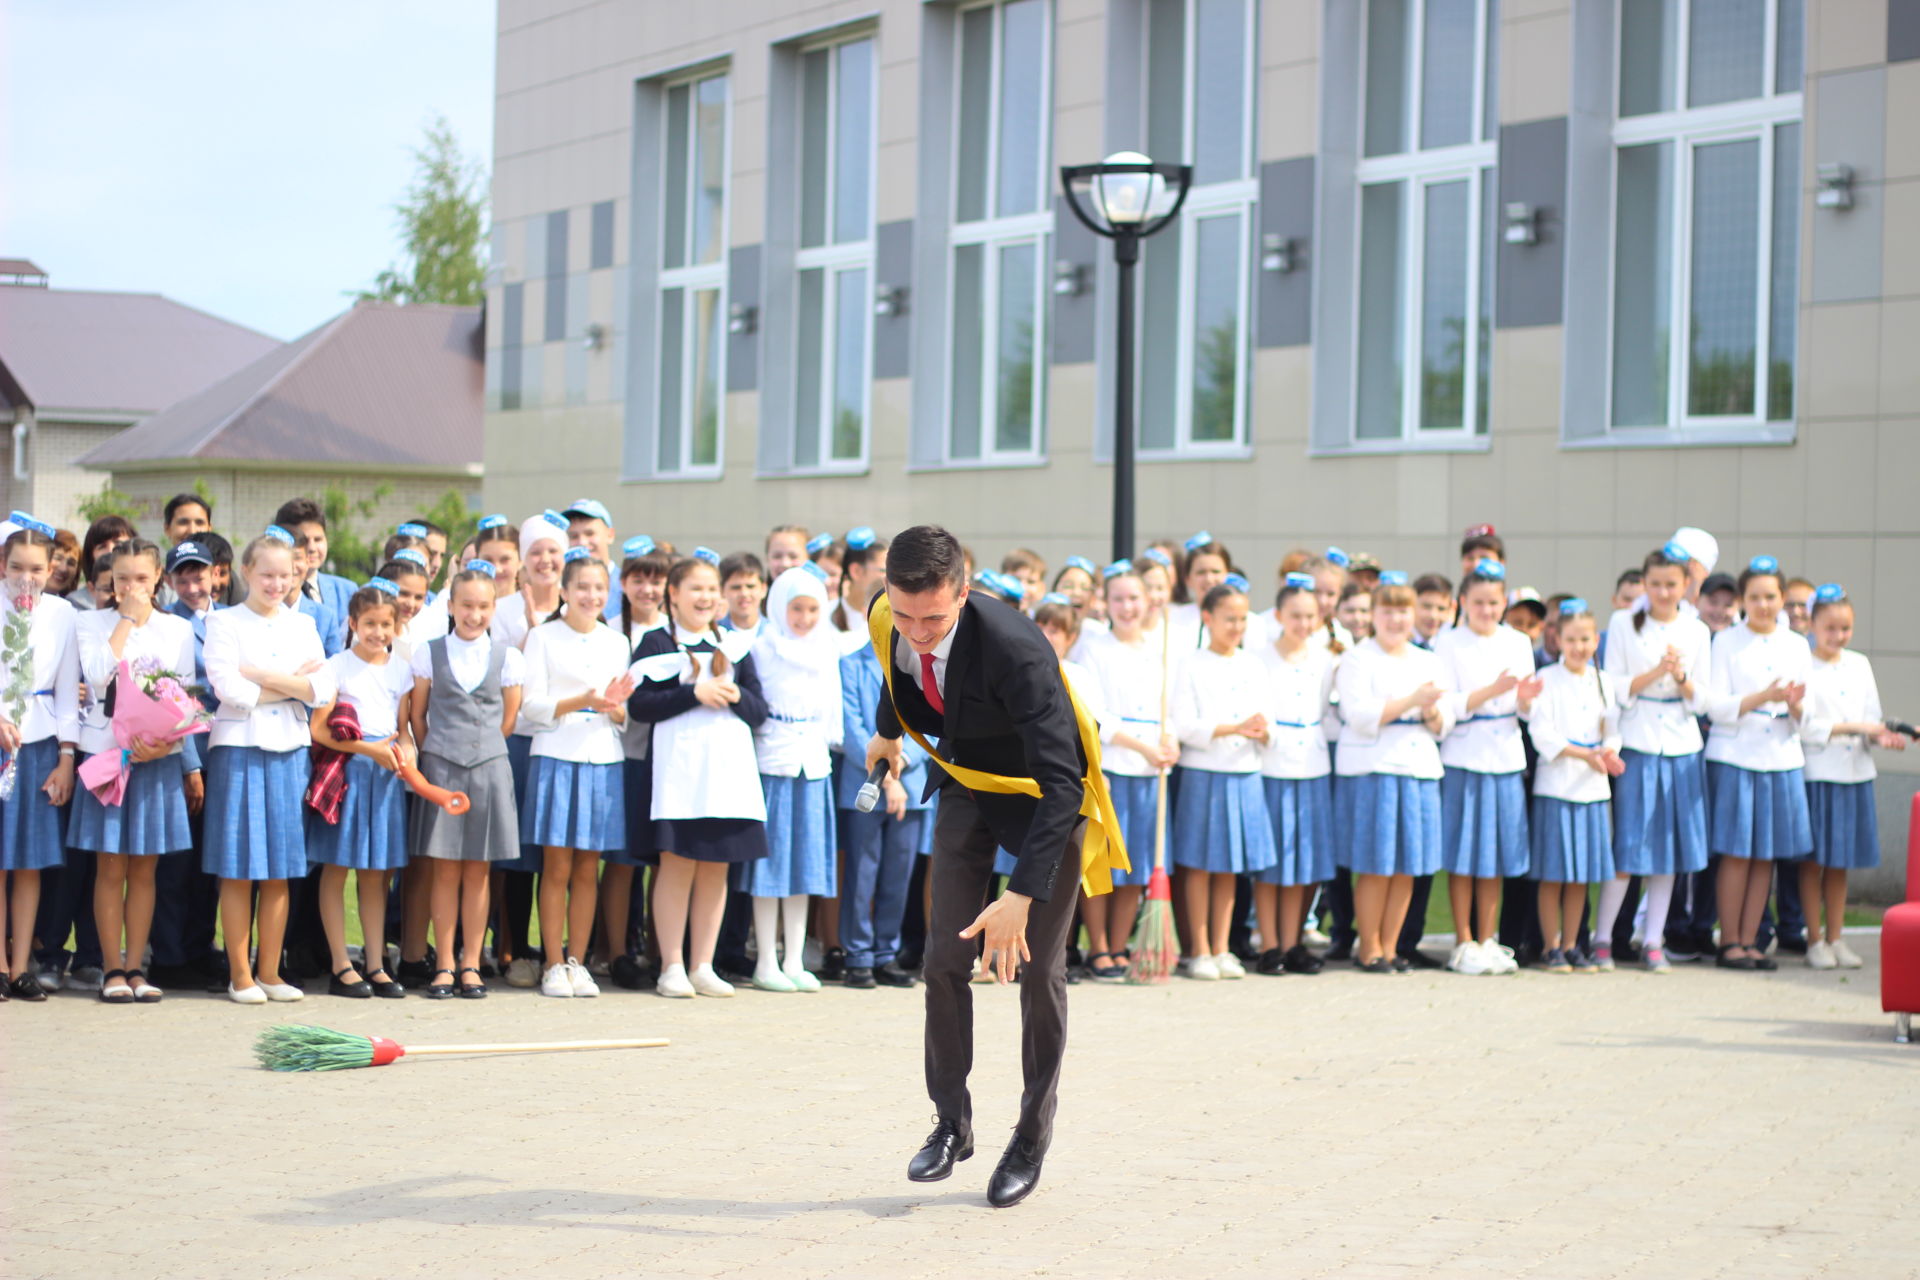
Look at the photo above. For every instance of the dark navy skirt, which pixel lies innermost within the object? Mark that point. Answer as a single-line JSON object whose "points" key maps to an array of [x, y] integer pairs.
{"points": [[1134, 802], [636, 782], [1389, 824], [150, 819], [712, 839], [1846, 831], [255, 824], [1759, 814], [30, 827], [801, 840], [1483, 824], [1302, 813], [1660, 815], [570, 805], [532, 858], [1572, 841], [372, 832], [1220, 823]]}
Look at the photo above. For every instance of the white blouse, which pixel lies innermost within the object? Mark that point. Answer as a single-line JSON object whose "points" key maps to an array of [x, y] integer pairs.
{"points": [[53, 690], [1132, 686], [1486, 740], [1765, 739], [1573, 711], [1368, 679], [1658, 721], [1213, 689], [1189, 629], [1299, 701], [468, 659], [373, 691], [281, 641], [563, 663], [1839, 692], [165, 639]]}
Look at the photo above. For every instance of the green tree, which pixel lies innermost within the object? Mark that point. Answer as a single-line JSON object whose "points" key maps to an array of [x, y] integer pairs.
{"points": [[351, 553], [109, 502], [443, 225]]}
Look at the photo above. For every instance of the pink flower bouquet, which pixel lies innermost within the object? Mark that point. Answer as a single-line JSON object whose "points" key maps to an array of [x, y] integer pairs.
{"points": [[149, 703]]}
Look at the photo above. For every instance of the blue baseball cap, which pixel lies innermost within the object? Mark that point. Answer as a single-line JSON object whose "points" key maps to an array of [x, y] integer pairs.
{"points": [[188, 552], [589, 508]]}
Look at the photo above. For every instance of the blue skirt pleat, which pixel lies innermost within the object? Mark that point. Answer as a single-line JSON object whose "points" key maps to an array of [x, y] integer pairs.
{"points": [[1759, 814], [1389, 824], [255, 820], [150, 819], [1134, 802], [1301, 810], [1846, 830], [1483, 824], [1660, 815], [571, 805], [802, 836], [520, 759], [372, 832], [1572, 842], [30, 834], [636, 781], [1221, 824]]}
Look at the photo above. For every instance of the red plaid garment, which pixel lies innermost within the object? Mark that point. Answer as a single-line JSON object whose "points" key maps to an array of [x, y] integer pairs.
{"points": [[327, 790]]}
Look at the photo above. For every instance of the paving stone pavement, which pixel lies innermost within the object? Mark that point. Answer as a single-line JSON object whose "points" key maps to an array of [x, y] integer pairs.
{"points": [[1621, 1126]]}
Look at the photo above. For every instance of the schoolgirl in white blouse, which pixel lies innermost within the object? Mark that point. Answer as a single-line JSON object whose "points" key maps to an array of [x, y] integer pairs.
{"points": [[1297, 770]]}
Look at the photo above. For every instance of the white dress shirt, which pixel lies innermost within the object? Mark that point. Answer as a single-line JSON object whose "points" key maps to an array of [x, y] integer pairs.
{"points": [[1299, 700], [1369, 678], [281, 641], [1840, 692], [1573, 711], [1657, 721], [468, 660], [166, 639], [908, 661], [1487, 739], [1765, 739], [1212, 689]]}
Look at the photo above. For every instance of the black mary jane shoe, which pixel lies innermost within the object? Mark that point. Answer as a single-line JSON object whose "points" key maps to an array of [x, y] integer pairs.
{"points": [[1017, 1174], [1300, 960], [1379, 964], [948, 1144], [358, 989], [475, 990], [1727, 960], [1272, 962], [27, 987], [438, 990], [1401, 964], [388, 990]]}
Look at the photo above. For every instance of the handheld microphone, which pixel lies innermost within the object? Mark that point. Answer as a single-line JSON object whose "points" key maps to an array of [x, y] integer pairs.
{"points": [[870, 792]]}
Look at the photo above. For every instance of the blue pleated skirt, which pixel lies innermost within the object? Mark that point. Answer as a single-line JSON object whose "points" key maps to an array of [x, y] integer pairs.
{"points": [[1483, 824], [636, 781], [531, 858], [255, 823], [1301, 810], [150, 819], [1389, 824], [1220, 823], [1660, 815], [30, 834], [372, 832], [571, 805], [1572, 842], [1846, 831], [802, 838], [1134, 801], [1759, 814]]}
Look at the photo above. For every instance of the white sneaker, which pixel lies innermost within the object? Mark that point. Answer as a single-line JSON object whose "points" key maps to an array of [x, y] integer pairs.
{"points": [[1820, 956], [524, 973], [773, 980], [1847, 957], [1229, 965], [1469, 959], [249, 995], [801, 979], [1203, 969], [556, 983], [708, 983], [673, 983], [1498, 959], [281, 992], [584, 987]]}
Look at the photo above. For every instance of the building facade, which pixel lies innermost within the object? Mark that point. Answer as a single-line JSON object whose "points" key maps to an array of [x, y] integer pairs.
{"points": [[772, 261]]}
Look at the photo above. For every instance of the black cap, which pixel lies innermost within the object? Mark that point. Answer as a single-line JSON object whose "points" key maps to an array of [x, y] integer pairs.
{"points": [[188, 552], [1719, 582]]}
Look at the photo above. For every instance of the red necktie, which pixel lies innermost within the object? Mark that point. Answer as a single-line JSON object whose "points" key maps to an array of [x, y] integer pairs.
{"points": [[930, 686]]}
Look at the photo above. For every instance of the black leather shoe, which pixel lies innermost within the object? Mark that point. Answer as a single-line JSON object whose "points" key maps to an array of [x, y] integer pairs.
{"points": [[1017, 1174], [891, 974], [833, 965], [1270, 962], [1301, 960], [626, 972], [859, 977], [414, 974], [1418, 959], [948, 1144]]}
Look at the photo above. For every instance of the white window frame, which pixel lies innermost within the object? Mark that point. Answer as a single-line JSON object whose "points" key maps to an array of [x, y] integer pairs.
{"points": [[1687, 129], [1477, 163], [834, 260], [1236, 196], [694, 278], [994, 234]]}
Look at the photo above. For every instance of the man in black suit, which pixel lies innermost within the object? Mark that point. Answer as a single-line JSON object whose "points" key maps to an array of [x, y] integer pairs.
{"points": [[978, 675]]}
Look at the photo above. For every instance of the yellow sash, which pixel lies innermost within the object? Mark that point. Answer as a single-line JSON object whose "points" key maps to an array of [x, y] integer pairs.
{"points": [[1102, 852]]}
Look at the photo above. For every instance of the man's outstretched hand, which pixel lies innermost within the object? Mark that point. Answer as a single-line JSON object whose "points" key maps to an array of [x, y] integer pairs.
{"points": [[1004, 928]]}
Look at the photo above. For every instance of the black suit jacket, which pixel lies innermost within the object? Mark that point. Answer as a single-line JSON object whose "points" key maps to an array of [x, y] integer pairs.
{"points": [[1007, 712]]}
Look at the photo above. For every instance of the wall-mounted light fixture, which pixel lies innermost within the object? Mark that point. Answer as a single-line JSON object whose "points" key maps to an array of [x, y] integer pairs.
{"points": [[742, 318], [1278, 253], [1069, 279], [1835, 186], [1521, 224], [890, 300], [593, 337]]}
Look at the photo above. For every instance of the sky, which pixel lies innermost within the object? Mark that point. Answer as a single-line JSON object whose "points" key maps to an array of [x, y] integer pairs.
{"points": [[240, 156]]}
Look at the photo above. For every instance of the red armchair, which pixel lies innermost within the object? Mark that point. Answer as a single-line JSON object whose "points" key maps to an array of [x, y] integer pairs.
{"points": [[1900, 941]]}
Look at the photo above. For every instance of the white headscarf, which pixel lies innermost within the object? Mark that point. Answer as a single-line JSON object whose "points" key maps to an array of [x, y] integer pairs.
{"points": [[805, 655], [535, 530], [1700, 544]]}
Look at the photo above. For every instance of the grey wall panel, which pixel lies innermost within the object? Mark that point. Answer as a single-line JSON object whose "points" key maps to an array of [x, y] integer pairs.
{"points": [[1284, 299], [1850, 128], [1528, 279], [1903, 30], [893, 266], [1075, 320], [743, 290]]}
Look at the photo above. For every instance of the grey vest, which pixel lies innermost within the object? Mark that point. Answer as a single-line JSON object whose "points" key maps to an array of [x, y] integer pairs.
{"points": [[463, 727]]}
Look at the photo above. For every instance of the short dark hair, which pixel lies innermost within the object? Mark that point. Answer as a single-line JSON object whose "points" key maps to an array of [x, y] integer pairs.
{"points": [[1484, 542], [1432, 584], [923, 557], [1629, 578], [742, 562], [428, 525], [300, 511], [180, 500], [217, 546]]}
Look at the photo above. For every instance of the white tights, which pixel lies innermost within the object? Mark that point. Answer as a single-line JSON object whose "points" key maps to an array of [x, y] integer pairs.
{"points": [[1613, 894], [768, 913]]}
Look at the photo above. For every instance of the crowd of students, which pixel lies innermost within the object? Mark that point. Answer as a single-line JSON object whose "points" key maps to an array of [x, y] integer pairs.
{"points": [[663, 751]]}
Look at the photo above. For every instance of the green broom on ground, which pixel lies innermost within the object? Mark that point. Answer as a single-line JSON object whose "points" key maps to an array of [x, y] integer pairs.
{"points": [[294, 1046], [1153, 947]]}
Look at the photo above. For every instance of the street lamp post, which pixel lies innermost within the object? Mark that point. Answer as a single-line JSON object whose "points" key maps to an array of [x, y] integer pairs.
{"points": [[1125, 198]]}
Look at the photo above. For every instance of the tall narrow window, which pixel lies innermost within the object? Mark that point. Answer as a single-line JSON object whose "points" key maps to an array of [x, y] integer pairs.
{"points": [[1426, 221], [693, 279], [835, 260], [1001, 227], [1706, 212], [1195, 321]]}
